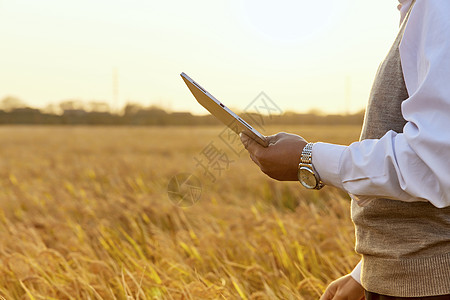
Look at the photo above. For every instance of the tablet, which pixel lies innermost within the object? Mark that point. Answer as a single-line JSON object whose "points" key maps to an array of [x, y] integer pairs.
{"points": [[223, 113]]}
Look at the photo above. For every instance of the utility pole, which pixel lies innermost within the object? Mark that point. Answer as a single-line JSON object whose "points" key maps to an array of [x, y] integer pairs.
{"points": [[115, 90], [348, 90]]}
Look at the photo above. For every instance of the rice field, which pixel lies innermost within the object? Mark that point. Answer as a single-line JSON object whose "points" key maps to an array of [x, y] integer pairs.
{"points": [[85, 213]]}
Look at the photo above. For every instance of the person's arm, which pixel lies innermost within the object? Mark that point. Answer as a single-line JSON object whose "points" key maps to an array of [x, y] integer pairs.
{"points": [[409, 166], [413, 165]]}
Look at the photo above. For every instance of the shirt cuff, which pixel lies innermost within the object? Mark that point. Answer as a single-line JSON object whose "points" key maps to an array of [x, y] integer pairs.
{"points": [[325, 159], [356, 273]]}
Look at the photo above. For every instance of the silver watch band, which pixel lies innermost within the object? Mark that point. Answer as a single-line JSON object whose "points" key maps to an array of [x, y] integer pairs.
{"points": [[306, 160], [307, 154]]}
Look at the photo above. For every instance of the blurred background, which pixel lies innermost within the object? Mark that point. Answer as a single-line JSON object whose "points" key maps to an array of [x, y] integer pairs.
{"points": [[175, 210], [305, 55]]}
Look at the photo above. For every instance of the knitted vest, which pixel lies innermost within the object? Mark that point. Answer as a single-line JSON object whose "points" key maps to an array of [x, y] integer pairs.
{"points": [[405, 246]]}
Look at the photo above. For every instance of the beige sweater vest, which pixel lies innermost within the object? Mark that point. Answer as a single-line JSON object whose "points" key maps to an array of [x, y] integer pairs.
{"points": [[405, 246]]}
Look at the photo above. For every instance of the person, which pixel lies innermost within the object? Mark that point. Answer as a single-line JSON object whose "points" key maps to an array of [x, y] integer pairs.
{"points": [[398, 174]]}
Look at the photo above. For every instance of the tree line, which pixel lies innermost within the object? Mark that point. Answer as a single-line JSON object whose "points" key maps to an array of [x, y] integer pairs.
{"points": [[73, 112]]}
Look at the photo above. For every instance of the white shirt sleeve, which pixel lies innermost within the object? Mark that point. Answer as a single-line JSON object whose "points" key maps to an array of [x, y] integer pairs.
{"points": [[413, 165], [356, 273]]}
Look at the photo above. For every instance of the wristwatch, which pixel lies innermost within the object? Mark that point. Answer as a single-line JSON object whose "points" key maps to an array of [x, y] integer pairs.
{"points": [[307, 176]]}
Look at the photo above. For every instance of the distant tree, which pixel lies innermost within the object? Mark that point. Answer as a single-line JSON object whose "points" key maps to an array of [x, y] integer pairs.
{"points": [[132, 109], [316, 112], [98, 106], [10, 102], [25, 115], [52, 109], [71, 105]]}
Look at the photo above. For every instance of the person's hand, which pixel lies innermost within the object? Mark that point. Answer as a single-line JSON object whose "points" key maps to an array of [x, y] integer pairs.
{"points": [[281, 158], [344, 288]]}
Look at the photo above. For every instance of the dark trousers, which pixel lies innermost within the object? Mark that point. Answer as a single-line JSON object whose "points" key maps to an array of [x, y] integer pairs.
{"points": [[373, 296]]}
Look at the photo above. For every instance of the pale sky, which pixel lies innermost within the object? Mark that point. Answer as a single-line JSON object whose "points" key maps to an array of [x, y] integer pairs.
{"points": [[302, 54]]}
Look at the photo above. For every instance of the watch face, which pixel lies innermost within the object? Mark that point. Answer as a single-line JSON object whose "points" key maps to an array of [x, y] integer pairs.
{"points": [[307, 178]]}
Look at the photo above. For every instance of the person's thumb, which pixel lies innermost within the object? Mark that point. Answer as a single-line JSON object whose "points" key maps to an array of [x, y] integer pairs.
{"points": [[250, 144]]}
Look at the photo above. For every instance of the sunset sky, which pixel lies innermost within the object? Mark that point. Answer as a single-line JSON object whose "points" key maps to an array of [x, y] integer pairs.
{"points": [[302, 54]]}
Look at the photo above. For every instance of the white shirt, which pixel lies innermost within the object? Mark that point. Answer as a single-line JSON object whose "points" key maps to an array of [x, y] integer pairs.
{"points": [[413, 165]]}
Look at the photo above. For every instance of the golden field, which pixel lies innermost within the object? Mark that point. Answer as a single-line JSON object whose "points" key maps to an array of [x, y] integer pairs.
{"points": [[85, 214]]}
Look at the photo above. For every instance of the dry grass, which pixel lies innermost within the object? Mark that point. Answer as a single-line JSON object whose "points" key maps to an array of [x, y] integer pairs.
{"points": [[85, 215]]}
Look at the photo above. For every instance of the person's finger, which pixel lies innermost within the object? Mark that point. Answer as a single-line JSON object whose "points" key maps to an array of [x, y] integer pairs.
{"points": [[325, 296], [255, 161], [271, 139], [250, 144], [244, 139], [329, 293]]}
